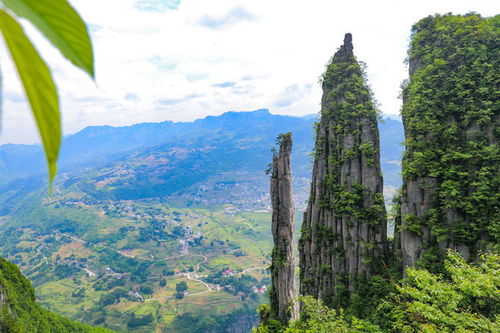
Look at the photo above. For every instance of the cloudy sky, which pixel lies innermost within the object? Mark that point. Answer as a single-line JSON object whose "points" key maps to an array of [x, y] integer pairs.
{"points": [[181, 60]]}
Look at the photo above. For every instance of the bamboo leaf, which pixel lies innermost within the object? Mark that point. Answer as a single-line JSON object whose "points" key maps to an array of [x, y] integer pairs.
{"points": [[62, 25], [38, 85]]}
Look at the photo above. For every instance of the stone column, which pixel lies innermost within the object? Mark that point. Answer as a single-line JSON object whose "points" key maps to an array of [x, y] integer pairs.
{"points": [[283, 297]]}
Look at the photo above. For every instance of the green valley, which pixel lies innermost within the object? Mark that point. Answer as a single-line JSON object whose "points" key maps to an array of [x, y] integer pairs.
{"points": [[166, 228], [117, 263]]}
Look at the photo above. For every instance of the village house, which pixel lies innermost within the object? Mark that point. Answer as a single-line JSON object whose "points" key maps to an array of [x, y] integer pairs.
{"points": [[228, 272]]}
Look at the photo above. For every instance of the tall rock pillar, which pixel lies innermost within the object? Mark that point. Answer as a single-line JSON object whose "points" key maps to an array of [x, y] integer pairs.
{"points": [[450, 196], [283, 296], [344, 229]]}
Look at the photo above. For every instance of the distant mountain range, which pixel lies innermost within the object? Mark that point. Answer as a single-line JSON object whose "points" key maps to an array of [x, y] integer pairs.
{"points": [[209, 161]]}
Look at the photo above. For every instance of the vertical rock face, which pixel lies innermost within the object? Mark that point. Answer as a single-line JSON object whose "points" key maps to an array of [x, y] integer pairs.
{"points": [[450, 196], [344, 229], [283, 296]]}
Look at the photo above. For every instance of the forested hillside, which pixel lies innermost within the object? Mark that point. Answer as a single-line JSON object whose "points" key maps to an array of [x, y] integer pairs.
{"points": [[21, 314]]}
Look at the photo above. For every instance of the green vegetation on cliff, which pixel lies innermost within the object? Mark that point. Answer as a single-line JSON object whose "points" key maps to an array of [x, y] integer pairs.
{"points": [[344, 233], [21, 314], [451, 119], [464, 299], [446, 216]]}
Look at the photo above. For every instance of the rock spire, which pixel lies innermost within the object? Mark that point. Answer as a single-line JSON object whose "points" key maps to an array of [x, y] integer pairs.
{"points": [[283, 295], [344, 228]]}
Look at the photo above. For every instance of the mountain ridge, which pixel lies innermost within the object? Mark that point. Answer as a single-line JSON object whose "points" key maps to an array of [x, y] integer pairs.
{"points": [[176, 160]]}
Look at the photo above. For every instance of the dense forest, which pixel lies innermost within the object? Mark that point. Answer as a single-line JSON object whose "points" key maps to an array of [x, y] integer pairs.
{"points": [[441, 270]]}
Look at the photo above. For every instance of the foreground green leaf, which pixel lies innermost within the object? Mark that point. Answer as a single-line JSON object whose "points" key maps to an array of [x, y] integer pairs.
{"points": [[62, 25], [38, 85]]}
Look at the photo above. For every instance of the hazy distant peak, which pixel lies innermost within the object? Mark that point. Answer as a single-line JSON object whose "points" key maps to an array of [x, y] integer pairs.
{"points": [[310, 116], [259, 112]]}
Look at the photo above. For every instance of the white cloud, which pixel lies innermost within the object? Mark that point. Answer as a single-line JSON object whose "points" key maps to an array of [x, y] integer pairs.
{"points": [[233, 16], [181, 60]]}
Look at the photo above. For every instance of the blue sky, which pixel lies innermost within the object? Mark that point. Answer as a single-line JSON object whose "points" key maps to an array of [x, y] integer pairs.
{"points": [[181, 60]]}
